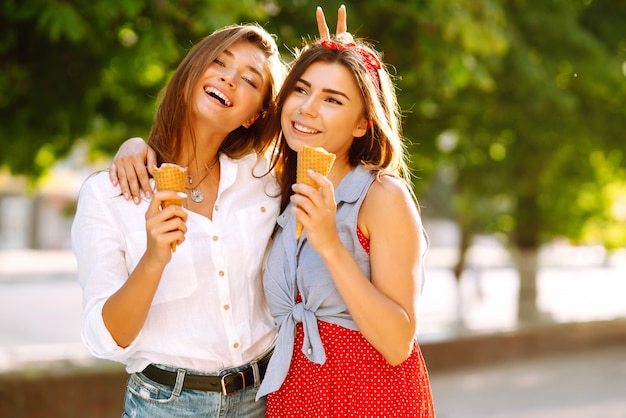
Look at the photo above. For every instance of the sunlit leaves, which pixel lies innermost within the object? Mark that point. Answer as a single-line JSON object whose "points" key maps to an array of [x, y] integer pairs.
{"points": [[66, 64], [517, 108], [605, 200]]}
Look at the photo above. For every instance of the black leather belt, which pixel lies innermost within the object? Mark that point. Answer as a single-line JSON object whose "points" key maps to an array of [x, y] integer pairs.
{"points": [[227, 383]]}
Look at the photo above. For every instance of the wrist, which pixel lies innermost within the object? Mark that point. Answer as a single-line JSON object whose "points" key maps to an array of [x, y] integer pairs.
{"points": [[333, 251]]}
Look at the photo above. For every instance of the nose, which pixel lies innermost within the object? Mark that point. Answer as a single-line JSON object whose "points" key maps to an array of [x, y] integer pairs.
{"points": [[228, 78], [308, 107]]}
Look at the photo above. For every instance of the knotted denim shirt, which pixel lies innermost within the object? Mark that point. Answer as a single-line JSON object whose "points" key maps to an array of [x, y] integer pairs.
{"points": [[293, 266]]}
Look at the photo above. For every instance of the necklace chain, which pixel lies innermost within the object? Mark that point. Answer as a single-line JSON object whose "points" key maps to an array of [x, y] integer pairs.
{"points": [[196, 195], [206, 170]]}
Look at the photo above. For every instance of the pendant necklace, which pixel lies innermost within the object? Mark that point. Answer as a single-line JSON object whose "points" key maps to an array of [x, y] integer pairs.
{"points": [[196, 195]]}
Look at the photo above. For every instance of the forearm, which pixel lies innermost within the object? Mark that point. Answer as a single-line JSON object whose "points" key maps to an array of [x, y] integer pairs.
{"points": [[381, 320], [125, 312]]}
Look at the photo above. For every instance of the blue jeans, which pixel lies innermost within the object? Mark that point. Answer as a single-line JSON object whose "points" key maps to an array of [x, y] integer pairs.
{"points": [[148, 399]]}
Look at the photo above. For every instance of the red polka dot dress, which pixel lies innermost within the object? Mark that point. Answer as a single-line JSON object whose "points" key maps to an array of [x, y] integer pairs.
{"points": [[355, 380]]}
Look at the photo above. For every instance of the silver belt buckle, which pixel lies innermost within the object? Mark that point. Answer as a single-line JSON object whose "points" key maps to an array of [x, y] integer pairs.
{"points": [[223, 382]]}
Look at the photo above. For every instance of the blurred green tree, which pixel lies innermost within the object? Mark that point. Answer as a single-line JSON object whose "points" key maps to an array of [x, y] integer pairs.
{"points": [[528, 126], [514, 108], [75, 69]]}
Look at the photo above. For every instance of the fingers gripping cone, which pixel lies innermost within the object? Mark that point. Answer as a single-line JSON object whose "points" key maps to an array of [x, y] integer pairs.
{"points": [[170, 177], [316, 159]]}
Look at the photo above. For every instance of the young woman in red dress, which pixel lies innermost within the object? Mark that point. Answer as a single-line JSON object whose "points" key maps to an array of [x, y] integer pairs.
{"points": [[344, 296]]}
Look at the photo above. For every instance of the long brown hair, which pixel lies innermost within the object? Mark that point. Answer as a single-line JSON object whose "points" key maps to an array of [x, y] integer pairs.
{"points": [[380, 150], [173, 112]]}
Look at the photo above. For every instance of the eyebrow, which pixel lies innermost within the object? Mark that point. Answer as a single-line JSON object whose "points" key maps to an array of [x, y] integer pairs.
{"points": [[331, 91], [250, 67]]}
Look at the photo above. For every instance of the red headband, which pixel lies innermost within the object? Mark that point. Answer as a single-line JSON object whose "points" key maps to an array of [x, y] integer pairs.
{"points": [[371, 62]]}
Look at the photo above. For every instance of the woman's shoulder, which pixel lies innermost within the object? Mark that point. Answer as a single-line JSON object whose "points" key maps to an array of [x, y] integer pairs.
{"points": [[389, 186], [253, 162], [100, 183], [250, 158], [391, 196]]}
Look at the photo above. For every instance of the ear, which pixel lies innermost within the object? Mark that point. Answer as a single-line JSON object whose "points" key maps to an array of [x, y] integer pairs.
{"points": [[248, 123], [361, 128]]}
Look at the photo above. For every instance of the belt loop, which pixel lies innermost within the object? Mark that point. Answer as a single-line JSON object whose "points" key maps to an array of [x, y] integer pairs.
{"points": [[255, 373], [180, 380]]}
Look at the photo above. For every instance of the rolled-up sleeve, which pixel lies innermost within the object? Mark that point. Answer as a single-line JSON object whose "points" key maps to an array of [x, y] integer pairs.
{"points": [[99, 247]]}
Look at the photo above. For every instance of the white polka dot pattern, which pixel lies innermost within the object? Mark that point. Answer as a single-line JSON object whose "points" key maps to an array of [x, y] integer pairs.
{"points": [[355, 381]]}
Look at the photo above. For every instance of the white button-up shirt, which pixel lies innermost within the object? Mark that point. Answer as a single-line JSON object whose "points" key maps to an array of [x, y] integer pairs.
{"points": [[209, 311]]}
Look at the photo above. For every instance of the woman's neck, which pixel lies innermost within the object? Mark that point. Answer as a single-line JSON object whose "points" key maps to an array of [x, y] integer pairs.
{"points": [[203, 155], [338, 172]]}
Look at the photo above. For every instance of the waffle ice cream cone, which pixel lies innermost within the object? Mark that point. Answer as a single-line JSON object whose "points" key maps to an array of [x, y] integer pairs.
{"points": [[170, 177], [316, 159]]}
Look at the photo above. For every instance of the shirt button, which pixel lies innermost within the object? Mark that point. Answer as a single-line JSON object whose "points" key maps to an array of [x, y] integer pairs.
{"points": [[221, 273], [263, 209], [236, 345], [226, 307], [215, 238], [309, 351], [217, 208]]}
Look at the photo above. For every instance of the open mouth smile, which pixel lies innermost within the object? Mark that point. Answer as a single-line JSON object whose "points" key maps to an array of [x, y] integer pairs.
{"points": [[218, 95], [303, 129]]}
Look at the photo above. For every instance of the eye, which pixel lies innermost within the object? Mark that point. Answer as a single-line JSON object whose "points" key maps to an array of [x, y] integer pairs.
{"points": [[333, 100], [219, 62], [299, 89], [249, 81]]}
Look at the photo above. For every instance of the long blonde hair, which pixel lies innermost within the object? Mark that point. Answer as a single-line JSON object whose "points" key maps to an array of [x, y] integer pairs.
{"points": [[174, 111]]}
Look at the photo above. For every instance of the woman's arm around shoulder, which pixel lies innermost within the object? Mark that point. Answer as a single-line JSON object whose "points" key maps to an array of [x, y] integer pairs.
{"points": [[130, 168]]}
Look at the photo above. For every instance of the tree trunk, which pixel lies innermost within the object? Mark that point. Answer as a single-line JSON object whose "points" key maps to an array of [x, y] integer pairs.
{"points": [[527, 266], [526, 239], [465, 242], [33, 232]]}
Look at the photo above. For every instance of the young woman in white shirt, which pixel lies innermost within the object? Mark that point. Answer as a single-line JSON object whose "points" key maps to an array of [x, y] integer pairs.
{"points": [[192, 327]]}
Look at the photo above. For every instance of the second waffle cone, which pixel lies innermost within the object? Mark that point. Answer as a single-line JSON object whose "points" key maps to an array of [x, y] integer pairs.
{"points": [[170, 177], [316, 159]]}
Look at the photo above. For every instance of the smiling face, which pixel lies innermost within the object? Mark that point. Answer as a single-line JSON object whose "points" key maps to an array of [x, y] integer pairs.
{"points": [[230, 91], [325, 109]]}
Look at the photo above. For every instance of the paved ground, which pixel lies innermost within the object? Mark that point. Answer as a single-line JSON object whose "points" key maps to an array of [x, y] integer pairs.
{"points": [[40, 320], [591, 384]]}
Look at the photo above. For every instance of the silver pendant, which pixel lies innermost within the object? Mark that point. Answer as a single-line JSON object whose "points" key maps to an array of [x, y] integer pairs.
{"points": [[197, 196]]}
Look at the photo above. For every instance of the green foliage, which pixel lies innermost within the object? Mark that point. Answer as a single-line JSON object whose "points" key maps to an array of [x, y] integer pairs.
{"points": [[504, 101], [92, 69], [555, 96], [603, 200]]}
